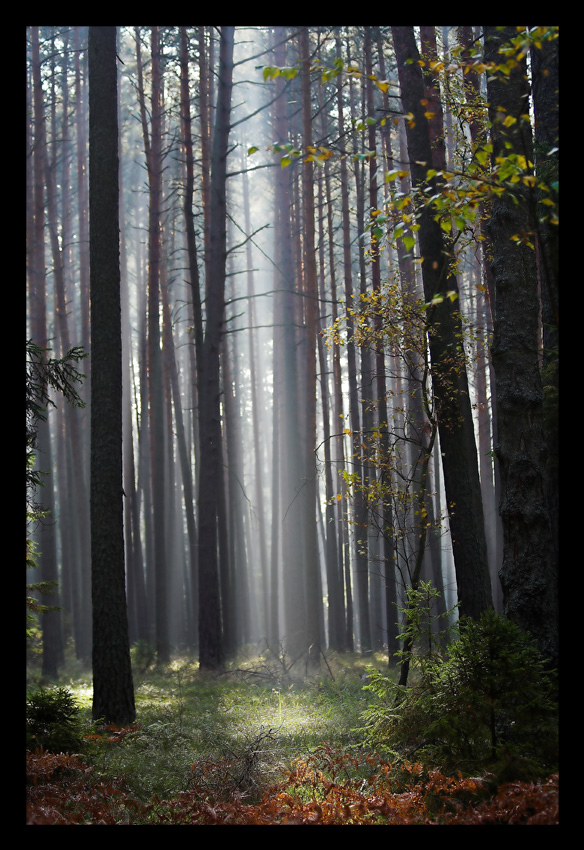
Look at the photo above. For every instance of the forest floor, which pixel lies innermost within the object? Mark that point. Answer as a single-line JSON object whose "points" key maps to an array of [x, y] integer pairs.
{"points": [[255, 746]]}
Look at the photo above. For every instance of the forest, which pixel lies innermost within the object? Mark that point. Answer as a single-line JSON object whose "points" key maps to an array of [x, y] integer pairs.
{"points": [[292, 418]]}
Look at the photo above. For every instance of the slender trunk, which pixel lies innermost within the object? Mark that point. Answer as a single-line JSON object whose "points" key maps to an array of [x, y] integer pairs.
{"points": [[153, 147], [335, 631], [52, 636], [355, 465], [312, 560], [255, 377], [211, 473], [289, 518]]}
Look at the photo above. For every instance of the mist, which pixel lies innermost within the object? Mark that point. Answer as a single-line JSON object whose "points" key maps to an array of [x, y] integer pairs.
{"points": [[318, 482]]}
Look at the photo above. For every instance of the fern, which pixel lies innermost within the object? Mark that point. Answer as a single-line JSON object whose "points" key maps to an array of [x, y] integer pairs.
{"points": [[326, 788]]}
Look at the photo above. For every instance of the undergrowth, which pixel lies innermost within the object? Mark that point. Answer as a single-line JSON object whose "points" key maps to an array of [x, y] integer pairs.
{"points": [[256, 745], [325, 788]]}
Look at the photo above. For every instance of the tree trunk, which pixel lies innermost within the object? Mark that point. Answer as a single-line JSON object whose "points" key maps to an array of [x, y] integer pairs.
{"points": [[460, 467], [113, 692], [312, 561], [529, 570], [52, 634], [211, 472], [545, 89]]}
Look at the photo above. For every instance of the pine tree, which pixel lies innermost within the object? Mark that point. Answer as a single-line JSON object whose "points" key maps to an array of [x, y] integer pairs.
{"points": [[113, 692]]}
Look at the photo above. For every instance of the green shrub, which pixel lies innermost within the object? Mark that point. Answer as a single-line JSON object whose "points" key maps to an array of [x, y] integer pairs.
{"points": [[489, 701], [53, 721]]}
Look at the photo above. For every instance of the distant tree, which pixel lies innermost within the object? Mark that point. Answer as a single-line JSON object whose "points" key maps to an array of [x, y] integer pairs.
{"points": [[211, 469], [39, 323], [43, 375], [154, 165], [309, 496], [113, 691]]}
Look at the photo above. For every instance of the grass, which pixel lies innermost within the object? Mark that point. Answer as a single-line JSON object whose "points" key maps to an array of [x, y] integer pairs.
{"points": [[260, 743], [239, 731]]}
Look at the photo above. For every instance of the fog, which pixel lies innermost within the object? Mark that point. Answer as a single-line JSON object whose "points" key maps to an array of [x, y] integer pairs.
{"points": [[303, 569]]}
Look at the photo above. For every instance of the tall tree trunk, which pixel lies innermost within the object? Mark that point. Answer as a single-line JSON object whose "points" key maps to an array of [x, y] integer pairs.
{"points": [[153, 150], [82, 614], [52, 633], [449, 376], [472, 85], [256, 396], [312, 560], [113, 690], [211, 472], [334, 587], [386, 514], [529, 570], [193, 266], [545, 90], [338, 439], [355, 465], [155, 373], [290, 517]]}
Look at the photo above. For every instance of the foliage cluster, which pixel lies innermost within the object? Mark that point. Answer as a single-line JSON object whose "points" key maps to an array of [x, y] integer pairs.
{"points": [[44, 375], [246, 749], [458, 197], [54, 721], [486, 703]]}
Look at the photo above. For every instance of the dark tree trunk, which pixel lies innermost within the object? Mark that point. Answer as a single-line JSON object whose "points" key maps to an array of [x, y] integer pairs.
{"points": [[194, 277], [155, 371], [113, 692], [545, 89], [211, 471], [529, 570], [461, 478]]}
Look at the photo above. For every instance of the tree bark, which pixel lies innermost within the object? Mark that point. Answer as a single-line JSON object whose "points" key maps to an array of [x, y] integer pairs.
{"points": [[449, 378], [529, 570], [211, 471], [312, 560], [52, 633], [113, 692]]}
